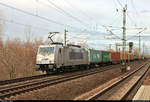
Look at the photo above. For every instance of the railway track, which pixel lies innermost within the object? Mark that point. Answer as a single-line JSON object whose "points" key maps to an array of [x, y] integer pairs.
{"points": [[28, 85], [5, 82], [120, 88]]}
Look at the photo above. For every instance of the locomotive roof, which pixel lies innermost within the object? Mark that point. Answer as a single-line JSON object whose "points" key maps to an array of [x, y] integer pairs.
{"points": [[74, 47]]}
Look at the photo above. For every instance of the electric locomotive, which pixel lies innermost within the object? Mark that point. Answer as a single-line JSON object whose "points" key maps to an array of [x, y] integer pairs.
{"points": [[56, 57]]}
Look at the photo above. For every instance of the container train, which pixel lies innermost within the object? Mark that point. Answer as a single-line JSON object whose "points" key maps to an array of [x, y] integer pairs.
{"points": [[56, 57]]}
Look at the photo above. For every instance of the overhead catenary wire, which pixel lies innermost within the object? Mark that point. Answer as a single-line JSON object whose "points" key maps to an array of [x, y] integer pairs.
{"points": [[68, 14], [131, 20], [21, 24], [114, 21], [63, 24], [34, 15], [127, 13], [31, 26], [34, 27], [125, 2], [120, 3], [85, 14], [132, 3], [112, 33], [63, 13], [31, 14], [138, 33], [115, 2], [36, 7], [136, 12], [44, 4], [81, 11]]}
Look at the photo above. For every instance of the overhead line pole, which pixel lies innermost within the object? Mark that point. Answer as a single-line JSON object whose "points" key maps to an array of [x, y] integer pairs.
{"points": [[140, 41], [139, 44], [124, 40], [65, 35], [143, 48]]}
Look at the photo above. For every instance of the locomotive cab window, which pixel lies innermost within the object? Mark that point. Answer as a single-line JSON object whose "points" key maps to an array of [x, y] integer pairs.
{"points": [[46, 50]]}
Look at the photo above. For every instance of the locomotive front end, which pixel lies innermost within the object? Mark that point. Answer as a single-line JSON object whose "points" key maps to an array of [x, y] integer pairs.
{"points": [[45, 58]]}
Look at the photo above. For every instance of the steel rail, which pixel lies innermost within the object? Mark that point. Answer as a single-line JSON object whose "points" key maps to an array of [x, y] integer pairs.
{"points": [[5, 82], [11, 81], [29, 86], [98, 94]]}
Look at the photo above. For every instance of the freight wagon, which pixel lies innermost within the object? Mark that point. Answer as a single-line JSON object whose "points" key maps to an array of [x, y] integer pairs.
{"points": [[57, 57], [135, 57], [115, 57], [97, 57], [105, 57], [140, 57]]}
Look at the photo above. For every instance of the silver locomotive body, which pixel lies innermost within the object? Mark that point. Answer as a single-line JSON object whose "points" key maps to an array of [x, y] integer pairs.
{"points": [[58, 57]]}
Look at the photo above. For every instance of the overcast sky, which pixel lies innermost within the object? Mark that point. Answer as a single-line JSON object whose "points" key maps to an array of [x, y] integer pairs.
{"points": [[84, 19]]}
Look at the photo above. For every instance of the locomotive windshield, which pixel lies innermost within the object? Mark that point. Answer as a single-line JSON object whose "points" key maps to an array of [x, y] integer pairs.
{"points": [[46, 50]]}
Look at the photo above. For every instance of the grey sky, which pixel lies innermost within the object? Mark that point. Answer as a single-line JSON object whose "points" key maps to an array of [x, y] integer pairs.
{"points": [[89, 12]]}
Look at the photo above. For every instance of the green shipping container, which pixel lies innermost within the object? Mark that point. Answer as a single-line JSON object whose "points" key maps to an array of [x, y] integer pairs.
{"points": [[95, 56], [135, 57], [105, 56]]}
